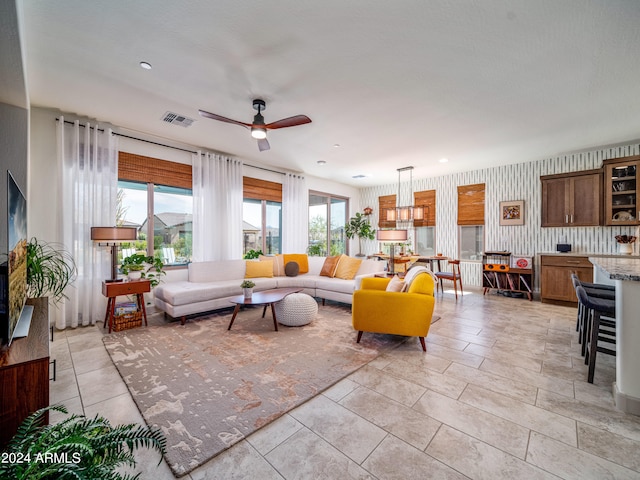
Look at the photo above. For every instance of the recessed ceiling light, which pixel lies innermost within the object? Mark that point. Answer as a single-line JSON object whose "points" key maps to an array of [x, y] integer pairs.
{"points": [[336, 145], [145, 65], [321, 162], [443, 160]]}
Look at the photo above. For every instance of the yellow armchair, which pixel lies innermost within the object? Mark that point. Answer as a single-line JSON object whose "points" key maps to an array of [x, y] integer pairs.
{"points": [[398, 313]]}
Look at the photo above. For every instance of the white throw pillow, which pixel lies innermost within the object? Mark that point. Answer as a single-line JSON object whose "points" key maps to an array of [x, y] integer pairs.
{"points": [[395, 285]]}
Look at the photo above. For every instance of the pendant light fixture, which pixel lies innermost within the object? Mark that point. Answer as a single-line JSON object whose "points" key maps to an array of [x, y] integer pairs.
{"points": [[405, 212]]}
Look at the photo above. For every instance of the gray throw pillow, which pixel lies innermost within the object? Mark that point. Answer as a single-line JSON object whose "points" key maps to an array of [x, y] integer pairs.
{"points": [[291, 269]]}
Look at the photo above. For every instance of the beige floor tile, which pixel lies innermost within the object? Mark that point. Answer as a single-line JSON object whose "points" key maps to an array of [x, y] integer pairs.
{"points": [[515, 359], [272, 435], [397, 389], [489, 428], [99, 385], [64, 387], [419, 362], [341, 389], [534, 418], [240, 462], [91, 359], [464, 358], [610, 446], [600, 395], [569, 462], [446, 341], [305, 455], [412, 427], [346, 431], [497, 383], [433, 380], [73, 406], [479, 460], [394, 459]]}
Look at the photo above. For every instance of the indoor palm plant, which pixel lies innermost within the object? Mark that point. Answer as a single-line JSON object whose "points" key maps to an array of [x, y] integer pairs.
{"points": [[50, 269], [360, 227], [76, 448]]}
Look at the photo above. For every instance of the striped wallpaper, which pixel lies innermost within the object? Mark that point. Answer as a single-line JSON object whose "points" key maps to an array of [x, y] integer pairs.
{"points": [[511, 182]]}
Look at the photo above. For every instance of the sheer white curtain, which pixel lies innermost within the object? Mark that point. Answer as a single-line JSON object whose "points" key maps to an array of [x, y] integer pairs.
{"points": [[295, 214], [88, 180], [217, 207]]}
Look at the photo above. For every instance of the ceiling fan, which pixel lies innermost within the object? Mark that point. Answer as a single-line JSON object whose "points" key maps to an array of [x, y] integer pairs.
{"points": [[258, 127]]}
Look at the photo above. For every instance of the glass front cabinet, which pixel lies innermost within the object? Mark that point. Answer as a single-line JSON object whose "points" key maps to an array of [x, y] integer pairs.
{"points": [[620, 191]]}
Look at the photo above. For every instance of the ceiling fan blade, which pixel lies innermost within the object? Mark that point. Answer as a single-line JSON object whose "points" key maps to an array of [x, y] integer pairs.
{"points": [[263, 144], [289, 122], [220, 118]]}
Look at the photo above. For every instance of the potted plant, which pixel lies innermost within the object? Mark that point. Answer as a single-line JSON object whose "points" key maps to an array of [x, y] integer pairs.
{"points": [[625, 243], [247, 288], [360, 227], [143, 266], [252, 254], [50, 269], [77, 447]]}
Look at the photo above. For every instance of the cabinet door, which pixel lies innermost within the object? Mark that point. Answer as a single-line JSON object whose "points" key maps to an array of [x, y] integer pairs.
{"points": [[621, 199], [555, 284], [586, 203], [555, 195]]}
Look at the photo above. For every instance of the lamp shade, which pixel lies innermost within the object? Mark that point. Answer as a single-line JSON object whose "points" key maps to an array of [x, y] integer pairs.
{"points": [[113, 234], [391, 235]]}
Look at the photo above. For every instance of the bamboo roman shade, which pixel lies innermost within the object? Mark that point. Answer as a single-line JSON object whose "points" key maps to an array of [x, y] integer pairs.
{"points": [[257, 189], [471, 204], [386, 202], [426, 199], [138, 168]]}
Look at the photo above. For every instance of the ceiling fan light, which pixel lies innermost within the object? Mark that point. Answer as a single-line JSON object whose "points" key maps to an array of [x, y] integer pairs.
{"points": [[258, 133]]}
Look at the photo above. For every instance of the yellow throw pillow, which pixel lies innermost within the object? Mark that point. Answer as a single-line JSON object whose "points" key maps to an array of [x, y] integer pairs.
{"points": [[259, 269], [395, 285], [329, 266], [300, 258], [347, 267], [278, 264]]}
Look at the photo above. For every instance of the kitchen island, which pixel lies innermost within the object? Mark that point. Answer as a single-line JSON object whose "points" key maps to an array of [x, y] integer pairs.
{"points": [[624, 273]]}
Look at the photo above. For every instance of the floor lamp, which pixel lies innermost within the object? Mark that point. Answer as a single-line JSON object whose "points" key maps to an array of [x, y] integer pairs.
{"points": [[392, 237], [111, 237]]}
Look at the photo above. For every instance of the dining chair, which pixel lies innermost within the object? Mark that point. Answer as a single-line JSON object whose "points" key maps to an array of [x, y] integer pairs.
{"points": [[453, 276]]}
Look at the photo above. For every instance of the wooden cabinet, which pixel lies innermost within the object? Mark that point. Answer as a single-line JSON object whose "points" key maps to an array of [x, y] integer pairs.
{"points": [[572, 199], [24, 373], [620, 187], [555, 277]]}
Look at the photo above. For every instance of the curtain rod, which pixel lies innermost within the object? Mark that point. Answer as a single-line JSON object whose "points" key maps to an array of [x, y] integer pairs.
{"points": [[167, 146]]}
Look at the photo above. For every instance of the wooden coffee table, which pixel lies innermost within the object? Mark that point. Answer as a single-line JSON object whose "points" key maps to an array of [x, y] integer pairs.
{"points": [[266, 298]]}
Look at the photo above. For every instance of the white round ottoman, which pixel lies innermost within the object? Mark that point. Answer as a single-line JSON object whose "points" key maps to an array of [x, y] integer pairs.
{"points": [[296, 309]]}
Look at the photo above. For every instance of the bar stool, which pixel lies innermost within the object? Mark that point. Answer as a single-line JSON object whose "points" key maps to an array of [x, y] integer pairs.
{"points": [[593, 290], [596, 308]]}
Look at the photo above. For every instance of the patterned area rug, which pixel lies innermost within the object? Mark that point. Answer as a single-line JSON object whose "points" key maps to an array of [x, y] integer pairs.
{"points": [[208, 388]]}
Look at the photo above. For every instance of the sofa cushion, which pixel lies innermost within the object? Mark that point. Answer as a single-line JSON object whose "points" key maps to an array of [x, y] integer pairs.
{"points": [[216, 270], [329, 266], [370, 266], [347, 267], [335, 285], [278, 263], [300, 258], [395, 285], [259, 269]]}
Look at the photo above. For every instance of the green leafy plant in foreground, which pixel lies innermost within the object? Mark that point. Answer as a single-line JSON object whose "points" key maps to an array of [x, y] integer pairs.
{"points": [[50, 269], [76, 448]]}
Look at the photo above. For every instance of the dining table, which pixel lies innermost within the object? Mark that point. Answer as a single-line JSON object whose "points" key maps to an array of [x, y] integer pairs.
{"points": [[624, 273]]}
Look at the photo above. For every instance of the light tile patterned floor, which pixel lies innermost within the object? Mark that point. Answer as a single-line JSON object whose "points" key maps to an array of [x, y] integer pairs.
{"points": [[500, 394]]}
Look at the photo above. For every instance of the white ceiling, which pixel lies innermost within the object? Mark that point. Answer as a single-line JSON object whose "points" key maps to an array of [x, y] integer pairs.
{"points": [[394, 83]]}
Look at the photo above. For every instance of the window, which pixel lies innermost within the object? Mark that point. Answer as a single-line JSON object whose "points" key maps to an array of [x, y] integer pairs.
{"points": [[262, 216], [425, 232], [327, 218], [155, 196], [471, 221]]}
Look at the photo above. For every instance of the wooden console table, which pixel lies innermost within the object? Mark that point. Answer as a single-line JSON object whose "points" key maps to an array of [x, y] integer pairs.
{"points": [[115, 289], [24, 373]]}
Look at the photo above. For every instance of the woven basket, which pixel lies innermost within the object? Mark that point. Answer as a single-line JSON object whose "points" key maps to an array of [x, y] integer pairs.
{"points": [[127, 321]]}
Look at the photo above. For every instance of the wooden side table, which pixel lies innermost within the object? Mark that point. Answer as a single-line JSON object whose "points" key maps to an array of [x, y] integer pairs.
{"points": [[111, 290]]}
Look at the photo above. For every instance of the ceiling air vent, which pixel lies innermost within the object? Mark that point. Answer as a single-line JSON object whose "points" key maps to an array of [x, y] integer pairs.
{"points": [[176, 119]]}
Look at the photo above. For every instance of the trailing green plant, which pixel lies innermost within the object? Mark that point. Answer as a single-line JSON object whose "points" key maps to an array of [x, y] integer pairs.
{"points": [[152, 268], [247, 284], [316, 250], [360, 227], [50, 269], [252, 254], [76, 448]]}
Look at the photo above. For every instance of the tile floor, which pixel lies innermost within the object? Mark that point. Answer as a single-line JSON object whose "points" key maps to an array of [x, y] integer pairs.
{"points": [[500, 393]]}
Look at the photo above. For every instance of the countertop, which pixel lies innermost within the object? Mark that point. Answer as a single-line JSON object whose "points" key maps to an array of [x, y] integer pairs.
{"points": [[619, 268], [589, 254]]}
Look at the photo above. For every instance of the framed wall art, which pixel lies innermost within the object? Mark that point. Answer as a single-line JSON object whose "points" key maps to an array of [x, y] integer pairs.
{"points": [[512, 212]]}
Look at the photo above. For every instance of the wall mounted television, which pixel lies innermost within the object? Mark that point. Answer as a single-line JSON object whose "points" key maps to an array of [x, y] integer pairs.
{"points": [[16, 317]]}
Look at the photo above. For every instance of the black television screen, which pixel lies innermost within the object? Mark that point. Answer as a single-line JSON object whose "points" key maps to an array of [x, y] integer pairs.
{"points": [[16, 268]]}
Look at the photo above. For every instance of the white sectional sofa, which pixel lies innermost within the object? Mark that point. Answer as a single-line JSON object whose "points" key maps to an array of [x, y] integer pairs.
{"points": [[211, 284]]}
